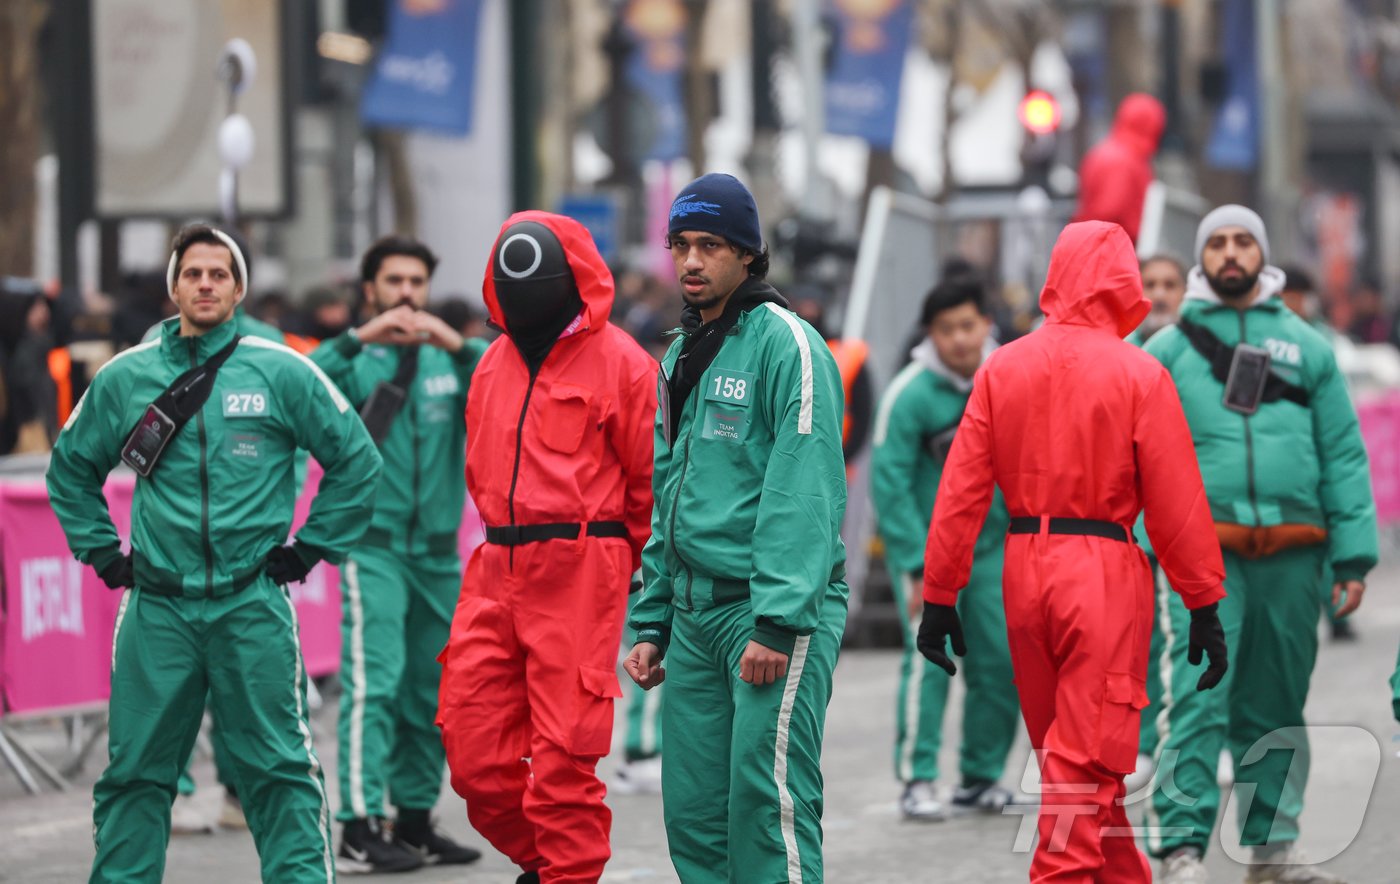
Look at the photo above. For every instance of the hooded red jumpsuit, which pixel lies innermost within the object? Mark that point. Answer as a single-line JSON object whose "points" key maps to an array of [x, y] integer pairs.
{"points": [[530, 670], [1115, 173], [1071, 421]]}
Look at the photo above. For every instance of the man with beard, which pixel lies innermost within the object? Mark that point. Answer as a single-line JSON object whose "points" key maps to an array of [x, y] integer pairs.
{"points": [[1286, 474], [407, 373], [1164, 284], [744, 578], [559, 465]]}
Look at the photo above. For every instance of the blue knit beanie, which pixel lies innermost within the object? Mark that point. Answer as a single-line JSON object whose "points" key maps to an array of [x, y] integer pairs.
{"points": [[718, 204]]}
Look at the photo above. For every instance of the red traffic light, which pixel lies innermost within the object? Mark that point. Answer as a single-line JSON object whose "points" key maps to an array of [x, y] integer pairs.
{"points": [[1039, 112]]}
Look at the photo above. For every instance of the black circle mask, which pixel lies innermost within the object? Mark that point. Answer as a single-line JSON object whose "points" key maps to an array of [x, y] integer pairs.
{"points": [[534, 285]]}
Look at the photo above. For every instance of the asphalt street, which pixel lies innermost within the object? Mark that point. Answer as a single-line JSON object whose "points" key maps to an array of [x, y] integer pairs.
{"points": [[1353, 799]]}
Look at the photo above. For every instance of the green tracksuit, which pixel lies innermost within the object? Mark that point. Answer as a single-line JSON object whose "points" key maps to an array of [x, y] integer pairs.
{"points": [[203, 618], [746, 545], [1287, 464], [924, 400], [399, 586], [643, 708]]}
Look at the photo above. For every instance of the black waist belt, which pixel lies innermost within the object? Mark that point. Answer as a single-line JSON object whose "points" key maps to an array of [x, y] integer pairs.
{"points": [[443, 544], [515, 535], [159, 581], [1087, 527]]}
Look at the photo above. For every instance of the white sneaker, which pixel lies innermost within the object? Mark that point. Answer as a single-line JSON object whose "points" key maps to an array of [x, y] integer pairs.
{"points": [[1287, 866], [188, 818], [1142, 775], [920, 803], [642, 777], [1183, 867]]}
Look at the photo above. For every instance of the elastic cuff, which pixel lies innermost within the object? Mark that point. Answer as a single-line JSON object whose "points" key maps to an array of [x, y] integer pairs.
{"points": [[1201, 598], [308, 554], [1352, 569], [348, 344], [100, 559], [941, 596], [655, 635], [773, 636]]}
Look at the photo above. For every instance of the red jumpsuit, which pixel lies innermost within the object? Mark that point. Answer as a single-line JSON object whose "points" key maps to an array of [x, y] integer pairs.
{"points": [[1115, 173], [1071, 421], [530, 670]]}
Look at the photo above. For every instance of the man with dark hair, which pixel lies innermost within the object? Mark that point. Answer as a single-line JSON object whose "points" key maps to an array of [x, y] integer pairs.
{"points": [[1164, 284], [744, 574], [1080, 431], [407, 372], [914, 428], [207, 611], [1289, 489]]}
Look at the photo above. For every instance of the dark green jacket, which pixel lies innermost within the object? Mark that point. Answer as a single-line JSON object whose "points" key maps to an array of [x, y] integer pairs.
{"points": [[749, 497], [222, 494], [1287, 463], [419, 506]]}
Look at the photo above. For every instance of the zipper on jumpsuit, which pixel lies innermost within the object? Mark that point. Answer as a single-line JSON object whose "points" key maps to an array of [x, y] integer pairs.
{"points": [[204, 493], [671, 529], [519, 439], [1249, 448]]}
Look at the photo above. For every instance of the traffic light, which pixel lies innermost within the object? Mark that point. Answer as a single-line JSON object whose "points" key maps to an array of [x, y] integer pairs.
{"points": [[1039, 112]]}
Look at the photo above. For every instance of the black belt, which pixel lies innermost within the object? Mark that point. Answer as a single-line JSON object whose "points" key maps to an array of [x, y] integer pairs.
{"points": [[515, 535], [1088, 527], [158, 581], [444, 544]]}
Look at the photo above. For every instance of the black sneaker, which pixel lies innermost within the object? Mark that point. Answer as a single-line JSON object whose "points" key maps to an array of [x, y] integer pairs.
{"points": [[414, 832], [981, 796], [365, 848], [528, 878]]}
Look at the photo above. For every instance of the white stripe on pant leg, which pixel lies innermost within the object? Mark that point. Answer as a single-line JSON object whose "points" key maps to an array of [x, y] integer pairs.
{"points": [[117, 627], [357, 692], [913, 697], [787, 816], [323, 819], [1163, 721], [651, 705]]}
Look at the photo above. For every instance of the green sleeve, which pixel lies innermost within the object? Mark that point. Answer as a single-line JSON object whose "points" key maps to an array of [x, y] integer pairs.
{"points": [[326, 425], [465, 361], [336, 358], [1345, 488], [804, 490], [897, 448], [87, 450], [652, 611]]}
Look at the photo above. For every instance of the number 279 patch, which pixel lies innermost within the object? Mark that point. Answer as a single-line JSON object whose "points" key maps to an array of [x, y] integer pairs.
{"points": [[245, 404]]}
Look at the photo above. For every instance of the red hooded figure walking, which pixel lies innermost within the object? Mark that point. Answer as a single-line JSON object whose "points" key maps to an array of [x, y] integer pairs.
{"points": [[1080, 431], [559, 457], [1115, 173]]}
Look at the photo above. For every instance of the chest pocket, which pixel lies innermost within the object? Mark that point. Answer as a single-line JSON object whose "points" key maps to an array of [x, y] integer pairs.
{"points": [[729, 396], [568, 415]]}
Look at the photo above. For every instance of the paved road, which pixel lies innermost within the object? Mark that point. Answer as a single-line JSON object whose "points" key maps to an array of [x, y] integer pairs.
{"points": [[47, 838]]}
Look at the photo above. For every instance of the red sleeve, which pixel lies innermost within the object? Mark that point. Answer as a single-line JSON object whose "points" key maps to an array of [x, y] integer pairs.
{"points": [[964, 496], [631, 437], [1113, 189], [1175, 509]]}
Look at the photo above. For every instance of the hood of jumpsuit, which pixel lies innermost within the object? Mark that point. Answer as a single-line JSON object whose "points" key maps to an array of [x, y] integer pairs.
{"points": [[1139, 124], [1094, 280], [591, 274]]}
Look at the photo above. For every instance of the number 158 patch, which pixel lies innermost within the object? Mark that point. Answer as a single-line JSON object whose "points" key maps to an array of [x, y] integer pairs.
{"points": [[728, 418]]}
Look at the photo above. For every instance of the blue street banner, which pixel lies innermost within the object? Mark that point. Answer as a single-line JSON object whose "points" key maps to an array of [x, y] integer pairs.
{"points": [[425, 76], [597, 212], [867, 64], [656, 74], [1234, 140]]}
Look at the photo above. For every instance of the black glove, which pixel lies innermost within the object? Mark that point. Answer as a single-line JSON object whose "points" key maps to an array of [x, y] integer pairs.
{"points": [[118, 574], [938, 623], [1208, 638], [289, 564]]}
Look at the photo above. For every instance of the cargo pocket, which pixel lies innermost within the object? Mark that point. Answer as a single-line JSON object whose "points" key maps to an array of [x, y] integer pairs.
{"points": [[598, 688], [563, 426], [1124, 695]]}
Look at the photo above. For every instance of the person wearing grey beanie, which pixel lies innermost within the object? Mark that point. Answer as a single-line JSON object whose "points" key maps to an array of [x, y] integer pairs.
{"points": [[1287, 479]]}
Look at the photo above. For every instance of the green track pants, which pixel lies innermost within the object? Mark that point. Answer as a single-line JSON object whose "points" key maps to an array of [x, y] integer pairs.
{"points": [[742, 781], [1270, 617], [396, 614], [643, 708], [223, 765], [242, 652], [1147, 729], [991, 711]]}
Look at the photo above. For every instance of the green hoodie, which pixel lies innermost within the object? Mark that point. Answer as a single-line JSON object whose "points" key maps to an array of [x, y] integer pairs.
{"points": [[749, 497], [222, 495], [922, 401], [1287, 463], [419, 506]]}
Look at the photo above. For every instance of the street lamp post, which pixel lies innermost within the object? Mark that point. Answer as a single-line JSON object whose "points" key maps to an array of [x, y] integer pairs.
{"points": [[237, 69]]}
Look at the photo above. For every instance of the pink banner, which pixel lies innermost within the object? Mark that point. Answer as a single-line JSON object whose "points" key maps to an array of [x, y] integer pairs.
{"points": [[1380, 427]]}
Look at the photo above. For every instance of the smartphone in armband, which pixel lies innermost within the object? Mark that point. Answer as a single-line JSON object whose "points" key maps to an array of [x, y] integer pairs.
{"points": [[1249, 372], [941, 444], [144, 446], [380, 409]]}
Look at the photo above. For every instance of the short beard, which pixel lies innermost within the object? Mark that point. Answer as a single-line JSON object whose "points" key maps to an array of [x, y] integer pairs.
{"points": [[702, 302], [1233, 289]]}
